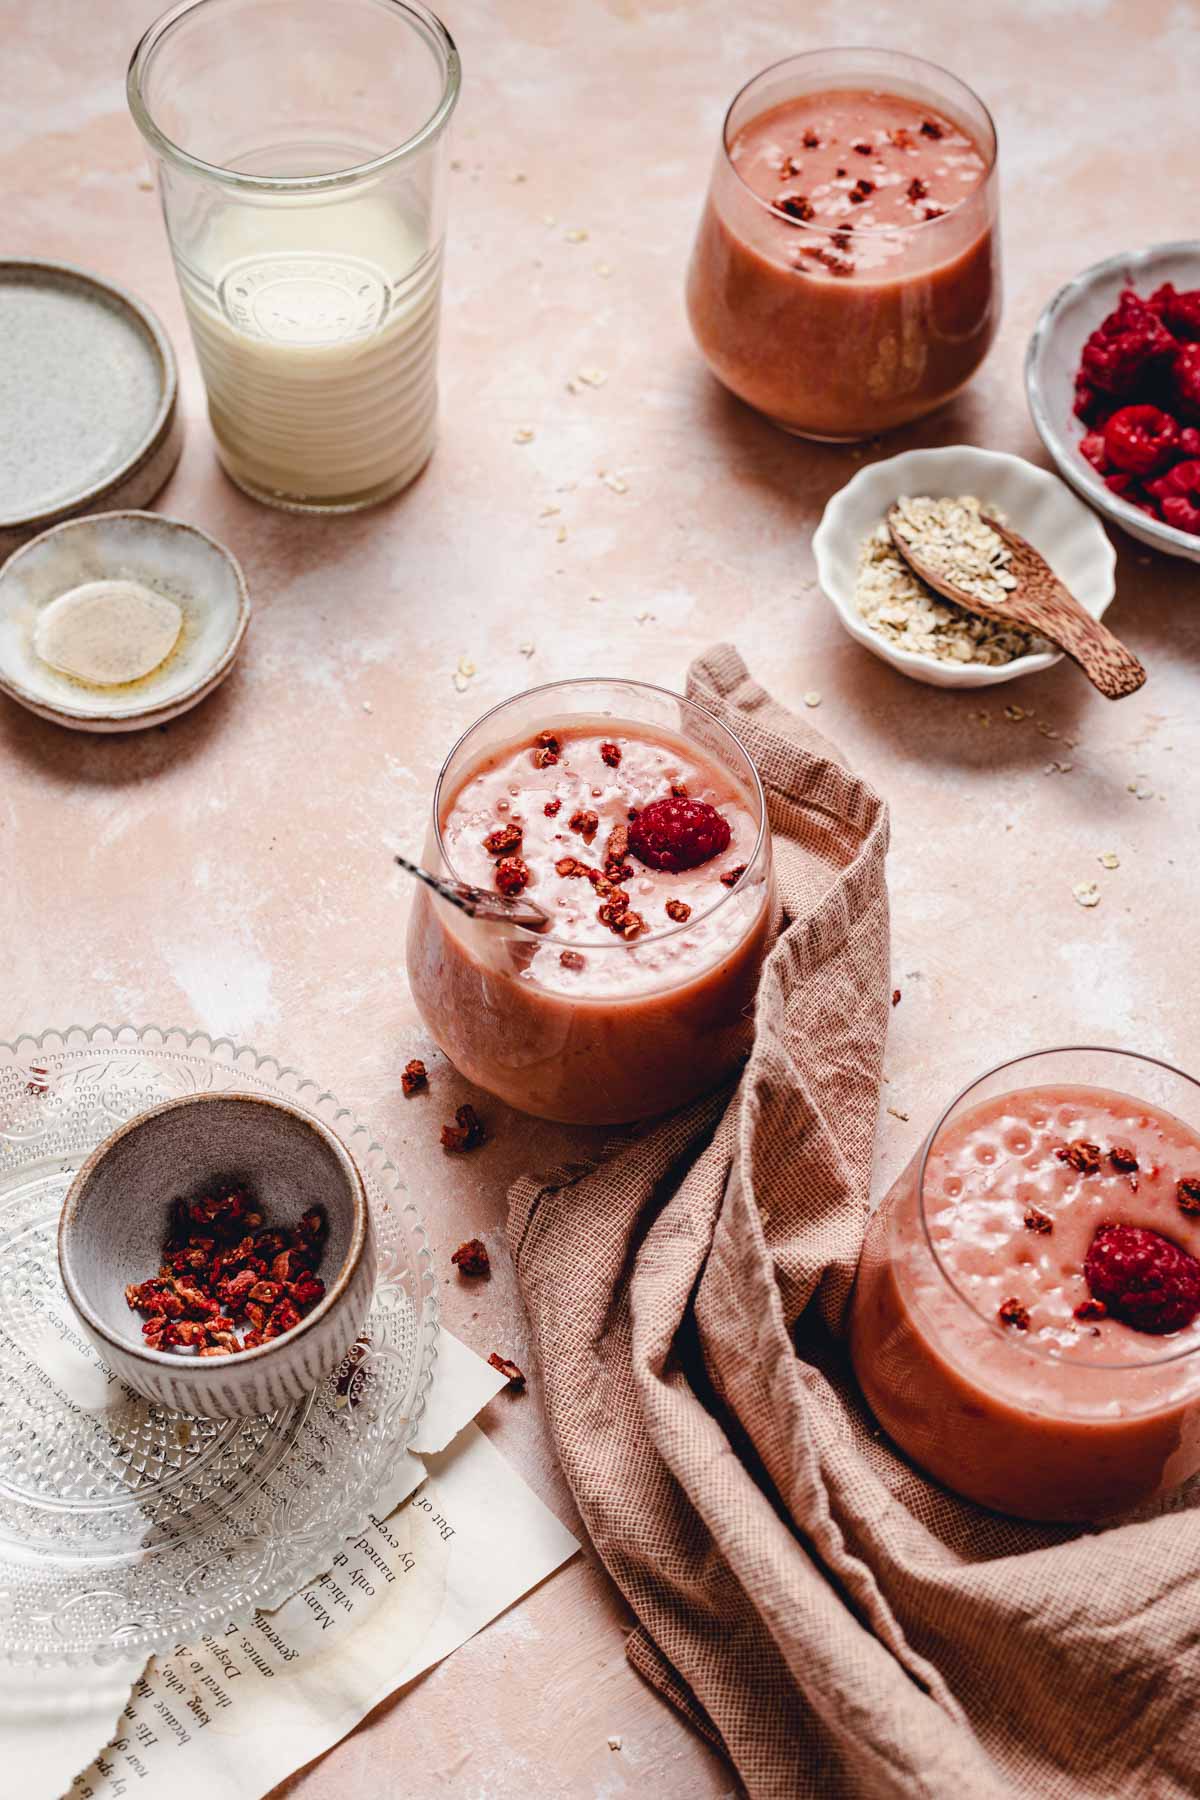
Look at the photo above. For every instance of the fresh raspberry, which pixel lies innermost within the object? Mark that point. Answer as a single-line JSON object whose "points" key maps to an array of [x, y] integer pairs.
{"points": [[1178, 495], [1180, 313], [1143, 1279], [1141, 439], [1091, 405], [678, 834], [1127, 348], [1185, 381], [1093, 447]]}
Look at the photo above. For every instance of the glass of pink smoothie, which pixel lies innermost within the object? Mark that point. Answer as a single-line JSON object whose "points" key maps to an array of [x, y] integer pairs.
{"points": [[1026, 1318], [846, 274], [640, 994]]}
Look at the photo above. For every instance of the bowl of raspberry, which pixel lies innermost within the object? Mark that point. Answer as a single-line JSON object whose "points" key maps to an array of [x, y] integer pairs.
{"points": [[1112, 375], [219, 1253]]}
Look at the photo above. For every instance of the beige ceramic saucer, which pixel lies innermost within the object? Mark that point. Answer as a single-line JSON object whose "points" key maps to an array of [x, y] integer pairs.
{"points": [[88, 386], [182, 573]]}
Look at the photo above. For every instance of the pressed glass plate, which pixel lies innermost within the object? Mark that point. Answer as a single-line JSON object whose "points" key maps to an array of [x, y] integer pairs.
{"points": [[125, 1527]]}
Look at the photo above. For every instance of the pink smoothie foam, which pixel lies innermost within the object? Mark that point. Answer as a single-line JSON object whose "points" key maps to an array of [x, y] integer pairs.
{"points": [[586, 1024], [997, 1371]]}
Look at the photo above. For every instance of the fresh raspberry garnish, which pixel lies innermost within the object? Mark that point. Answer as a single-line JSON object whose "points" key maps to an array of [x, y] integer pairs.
{"points": [[678, 834], [1178, 495], [1185, 381], [1143, 1278], [1140, 439]]}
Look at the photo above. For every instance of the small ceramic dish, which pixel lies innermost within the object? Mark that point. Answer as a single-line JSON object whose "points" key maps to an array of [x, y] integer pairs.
{"points": [[1053, 358], [191, 578], [116, 1217], [1069, 536]]}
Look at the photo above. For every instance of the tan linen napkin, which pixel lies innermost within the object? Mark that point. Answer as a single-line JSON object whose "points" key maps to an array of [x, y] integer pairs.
{"points": [[837, 1623]]}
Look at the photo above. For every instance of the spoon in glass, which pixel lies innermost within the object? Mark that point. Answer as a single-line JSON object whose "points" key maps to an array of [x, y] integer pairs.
{"points": [[478, 903]]}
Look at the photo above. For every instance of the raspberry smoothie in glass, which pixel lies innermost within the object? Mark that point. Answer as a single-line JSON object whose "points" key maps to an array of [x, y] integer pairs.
{"points": [[846, 277], [1027, 1311], [636, 822]]}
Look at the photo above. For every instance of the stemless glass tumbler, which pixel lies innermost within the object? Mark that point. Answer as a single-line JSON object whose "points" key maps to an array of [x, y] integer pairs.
{"points": [[300, 149]]}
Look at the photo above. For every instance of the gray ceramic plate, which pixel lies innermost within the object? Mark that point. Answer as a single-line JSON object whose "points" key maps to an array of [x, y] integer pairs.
{"points": [[88, 415], [1053, 357]]}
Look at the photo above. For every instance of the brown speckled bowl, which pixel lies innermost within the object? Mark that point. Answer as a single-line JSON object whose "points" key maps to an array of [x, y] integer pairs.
{"points": [[115, 1220]]}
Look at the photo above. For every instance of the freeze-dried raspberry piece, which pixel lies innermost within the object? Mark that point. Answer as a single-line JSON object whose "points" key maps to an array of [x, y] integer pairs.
{"points": [[472, 1259], [678, 834], [1185, 381], [466, 1134], [307, 1290], [413, 1078], [512, 875], [508, 1369], [504, 839], [1143, 1278], [285, 1317], [1141, 439]]}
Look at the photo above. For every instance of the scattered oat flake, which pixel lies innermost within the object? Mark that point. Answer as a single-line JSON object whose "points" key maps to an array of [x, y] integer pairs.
{"points": [[1108, 859], [525, 649], [460, 681], [614, 1743], [593, 377], [367, 707], [560, 536], [549, 512], [523, 435], [1087, 893], [812, 699], [604, 269], [595, 599], [577, 236], [1015, 713], [549, 219], [519, 175], [466, 667], [643, 618], [897, 1114], [614, 482]]}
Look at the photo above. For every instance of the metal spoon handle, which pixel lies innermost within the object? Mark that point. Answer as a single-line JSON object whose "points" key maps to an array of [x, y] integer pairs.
{"points": [[477, 903]]}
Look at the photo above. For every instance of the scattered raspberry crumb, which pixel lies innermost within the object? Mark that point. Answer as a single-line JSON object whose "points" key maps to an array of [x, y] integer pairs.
{"points": [[934, 212], [678, 910], [611, 755], [414, 1077], [902, 137], [797, 207], [1123, 1159], [467, 1134], [1011, 1312], [810, 140], [570, 868], [512, 875], [863, 149], [571, 959], [587, 824], [1083, 1157], [917, 189], [471, 1259], [930, 129], [731, 877], [1087, 1310], [1143, 1278], [552, 808], [509, 1370], [895, 996], [503, 839], [862, 190], [1187, 1193], [1037, 1221]]}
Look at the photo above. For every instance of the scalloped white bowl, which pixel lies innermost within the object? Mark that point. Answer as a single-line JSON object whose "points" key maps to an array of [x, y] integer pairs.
{"points": [[1053, 357], [1071, 538]]}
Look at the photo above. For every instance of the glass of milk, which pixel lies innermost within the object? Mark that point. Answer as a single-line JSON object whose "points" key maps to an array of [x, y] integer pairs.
{"points": [[301, 156]]}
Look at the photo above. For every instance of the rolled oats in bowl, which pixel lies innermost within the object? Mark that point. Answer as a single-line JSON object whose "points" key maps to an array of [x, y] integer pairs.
{"points": [[953, 536]]}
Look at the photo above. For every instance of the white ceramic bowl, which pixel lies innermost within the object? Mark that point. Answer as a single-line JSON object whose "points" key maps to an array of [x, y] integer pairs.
{"points": [[1069, 536], [178, 561], [118, 1209], [1053, 358]]}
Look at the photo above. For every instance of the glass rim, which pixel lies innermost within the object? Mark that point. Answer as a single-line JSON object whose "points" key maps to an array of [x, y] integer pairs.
{"points": [[419, 17], [628, 947], [865, 52], [1051, 1353]]}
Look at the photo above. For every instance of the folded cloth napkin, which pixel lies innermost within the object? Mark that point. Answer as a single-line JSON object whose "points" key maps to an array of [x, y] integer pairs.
{"points": [[839, 1625]]}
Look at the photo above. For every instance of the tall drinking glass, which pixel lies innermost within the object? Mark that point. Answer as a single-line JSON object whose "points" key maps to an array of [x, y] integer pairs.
{"points": [[300, 147]]}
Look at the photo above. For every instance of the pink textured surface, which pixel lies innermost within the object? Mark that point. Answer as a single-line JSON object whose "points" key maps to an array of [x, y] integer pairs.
{"points": [[233, 872]]}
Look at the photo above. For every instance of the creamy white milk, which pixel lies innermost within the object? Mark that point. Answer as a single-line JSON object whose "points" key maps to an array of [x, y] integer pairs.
{"points": [[316, 328]]}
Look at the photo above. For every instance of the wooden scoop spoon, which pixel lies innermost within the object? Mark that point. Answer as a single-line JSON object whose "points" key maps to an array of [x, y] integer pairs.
{"points": [[1039, 603]]}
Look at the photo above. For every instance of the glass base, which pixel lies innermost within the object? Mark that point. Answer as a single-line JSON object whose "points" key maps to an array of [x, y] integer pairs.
{"points": [[359, 503]]}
